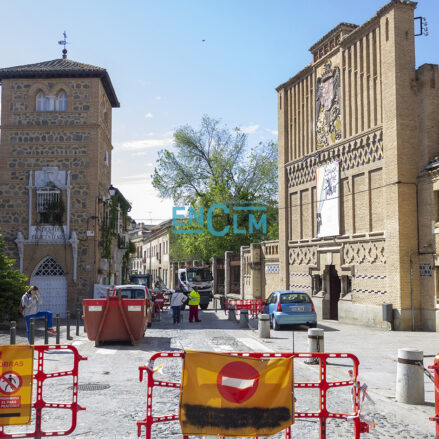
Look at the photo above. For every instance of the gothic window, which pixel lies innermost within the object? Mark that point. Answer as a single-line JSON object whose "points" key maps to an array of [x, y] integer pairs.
{"points": [[61, 101], [49, 267], [51, 103]]}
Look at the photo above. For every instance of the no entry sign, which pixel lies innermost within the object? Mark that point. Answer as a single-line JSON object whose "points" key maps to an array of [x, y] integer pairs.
{"points": [[237, 381], [16, 376], [230, 396]]}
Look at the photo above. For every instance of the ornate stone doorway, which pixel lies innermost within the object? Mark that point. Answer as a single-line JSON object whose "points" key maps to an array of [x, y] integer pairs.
{"points": [[334, 292]]}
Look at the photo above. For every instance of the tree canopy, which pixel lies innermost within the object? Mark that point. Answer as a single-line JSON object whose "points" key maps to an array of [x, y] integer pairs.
{"points": [[215, 165], [12, 286]]}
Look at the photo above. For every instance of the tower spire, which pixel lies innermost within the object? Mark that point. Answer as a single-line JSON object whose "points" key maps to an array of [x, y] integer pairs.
{"points": [[64, 42]]}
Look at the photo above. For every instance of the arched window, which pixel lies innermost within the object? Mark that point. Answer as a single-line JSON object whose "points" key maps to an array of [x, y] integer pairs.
{"points": [[42, 102], [61, 101], [51, 103]]}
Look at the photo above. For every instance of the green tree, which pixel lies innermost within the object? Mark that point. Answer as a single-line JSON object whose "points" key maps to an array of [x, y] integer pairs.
{"points": [[215, 165], [12, 286]]}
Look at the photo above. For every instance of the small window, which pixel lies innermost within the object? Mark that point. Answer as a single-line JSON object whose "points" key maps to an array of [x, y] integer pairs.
{"points": [[61, 101], [51, 103]]}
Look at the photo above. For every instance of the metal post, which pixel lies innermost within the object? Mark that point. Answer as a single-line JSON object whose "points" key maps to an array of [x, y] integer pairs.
{"points": [[232, 315], [13, 332], [32, 331], [57, 327], [243, 318], [77, 321], [315, 343], [436, 393], [69, 337], [46, 329]]}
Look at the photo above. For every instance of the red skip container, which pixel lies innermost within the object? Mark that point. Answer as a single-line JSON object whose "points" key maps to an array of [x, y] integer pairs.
{"points": [[115, 319]]}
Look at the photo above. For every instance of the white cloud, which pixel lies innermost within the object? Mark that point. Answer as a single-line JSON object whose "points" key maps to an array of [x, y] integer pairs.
{"points": [[249, 129], [274, 132], [158, 98], [138, 145], [148, 115]]}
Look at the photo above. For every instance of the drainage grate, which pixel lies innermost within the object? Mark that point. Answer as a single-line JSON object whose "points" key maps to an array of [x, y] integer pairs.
{"points": [[92, 387]]}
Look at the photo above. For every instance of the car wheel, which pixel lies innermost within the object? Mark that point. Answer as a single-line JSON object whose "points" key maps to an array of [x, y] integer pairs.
{"points": [[204, 306], [276, 325], [313, 325]]}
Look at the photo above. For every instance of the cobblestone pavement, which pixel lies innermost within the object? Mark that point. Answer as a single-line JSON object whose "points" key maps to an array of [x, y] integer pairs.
{"points": [[112, 412]]}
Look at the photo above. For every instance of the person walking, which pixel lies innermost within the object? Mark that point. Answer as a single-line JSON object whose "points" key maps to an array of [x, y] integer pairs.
{"points": [[194, 301], [30, 301], [177, 300]]}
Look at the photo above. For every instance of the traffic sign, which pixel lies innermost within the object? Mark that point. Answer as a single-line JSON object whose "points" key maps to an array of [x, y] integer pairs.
{"points": [[16, 376], [10, 382], [237, 381], [235, 396]]}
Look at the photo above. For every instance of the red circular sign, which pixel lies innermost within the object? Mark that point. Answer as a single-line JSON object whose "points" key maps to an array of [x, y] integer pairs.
{"points": [[10, 383], [237, 381]]}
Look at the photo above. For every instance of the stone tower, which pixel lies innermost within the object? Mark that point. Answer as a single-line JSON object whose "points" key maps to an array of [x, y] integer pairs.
{"points": [[55, 171]]}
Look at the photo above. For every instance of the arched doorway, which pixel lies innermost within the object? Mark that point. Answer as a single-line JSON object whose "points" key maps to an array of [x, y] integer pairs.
{"points": [[50, 279], [334, 292]]}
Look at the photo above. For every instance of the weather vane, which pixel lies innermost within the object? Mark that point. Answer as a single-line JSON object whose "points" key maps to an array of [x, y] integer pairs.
{"points": [[64, 42]]}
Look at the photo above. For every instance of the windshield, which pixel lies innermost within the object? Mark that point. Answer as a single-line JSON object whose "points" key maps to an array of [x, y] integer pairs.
{"points": [[294, 298], [140, 281], [201, 275]]}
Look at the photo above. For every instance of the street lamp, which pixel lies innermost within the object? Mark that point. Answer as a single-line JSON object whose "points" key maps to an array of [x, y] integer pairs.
{"points": [[112, 191]]}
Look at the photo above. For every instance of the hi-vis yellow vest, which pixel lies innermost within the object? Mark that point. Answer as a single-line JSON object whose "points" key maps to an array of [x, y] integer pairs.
{"points": [[194, 298]]}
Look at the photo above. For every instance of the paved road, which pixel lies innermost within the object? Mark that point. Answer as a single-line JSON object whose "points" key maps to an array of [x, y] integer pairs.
{"points": [[112, 412]]}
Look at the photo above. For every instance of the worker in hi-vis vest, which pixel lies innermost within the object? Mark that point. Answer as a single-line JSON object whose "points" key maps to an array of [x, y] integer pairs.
{"points": [[194, 301]]}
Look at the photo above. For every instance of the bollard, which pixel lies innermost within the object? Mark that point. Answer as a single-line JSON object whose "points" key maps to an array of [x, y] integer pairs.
{"points": [[57, 328], [77, 321], [32, 331], [46, 329], [13, 332], [243, 318], [315, 343], [232, 315], [264, 326], [69, 337], [410, 376]]}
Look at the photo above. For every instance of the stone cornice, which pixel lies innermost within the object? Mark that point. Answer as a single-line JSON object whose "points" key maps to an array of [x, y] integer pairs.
{"points": [[296, 77]]}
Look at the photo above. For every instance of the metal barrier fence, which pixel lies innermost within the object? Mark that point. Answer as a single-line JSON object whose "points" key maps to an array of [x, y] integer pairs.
{"points": [[40, 377], [323, 385], [435, 367], [254, 306]]}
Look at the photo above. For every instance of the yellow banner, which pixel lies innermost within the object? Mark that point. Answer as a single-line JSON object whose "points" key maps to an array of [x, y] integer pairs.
{"points": [[16, 376], [235, 396]]}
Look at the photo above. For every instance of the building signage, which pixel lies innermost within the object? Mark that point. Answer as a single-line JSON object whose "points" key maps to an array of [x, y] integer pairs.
{"points": [[234, 396], [16, 376], [328, 200]]}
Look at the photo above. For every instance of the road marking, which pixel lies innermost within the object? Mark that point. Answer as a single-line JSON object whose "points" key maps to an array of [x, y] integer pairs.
{"points": [[254, 344]]}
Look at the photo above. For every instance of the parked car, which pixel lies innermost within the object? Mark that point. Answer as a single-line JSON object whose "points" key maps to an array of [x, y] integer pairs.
{"points": [[290, 308], [136, 292]]}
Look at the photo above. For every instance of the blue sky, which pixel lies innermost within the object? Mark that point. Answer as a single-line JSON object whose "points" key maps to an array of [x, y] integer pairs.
{"points": [[165, 76]]}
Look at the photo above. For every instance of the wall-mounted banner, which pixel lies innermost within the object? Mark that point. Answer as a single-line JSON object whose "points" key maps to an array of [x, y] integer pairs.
{"points": [[16, 375], [328, 200], [234, 396]]}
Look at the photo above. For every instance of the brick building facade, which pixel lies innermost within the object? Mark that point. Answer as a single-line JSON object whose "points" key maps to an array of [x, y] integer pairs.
{"points": [[358, 140], [55, 171]]}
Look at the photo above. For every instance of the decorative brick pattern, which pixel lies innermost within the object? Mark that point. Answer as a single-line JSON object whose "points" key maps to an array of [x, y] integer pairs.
{"points": [[303, 255], [351, 154], [364, 252]]}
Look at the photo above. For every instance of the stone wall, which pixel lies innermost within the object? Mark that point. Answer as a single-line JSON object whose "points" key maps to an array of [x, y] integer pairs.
{"points": [[77, 140]]}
